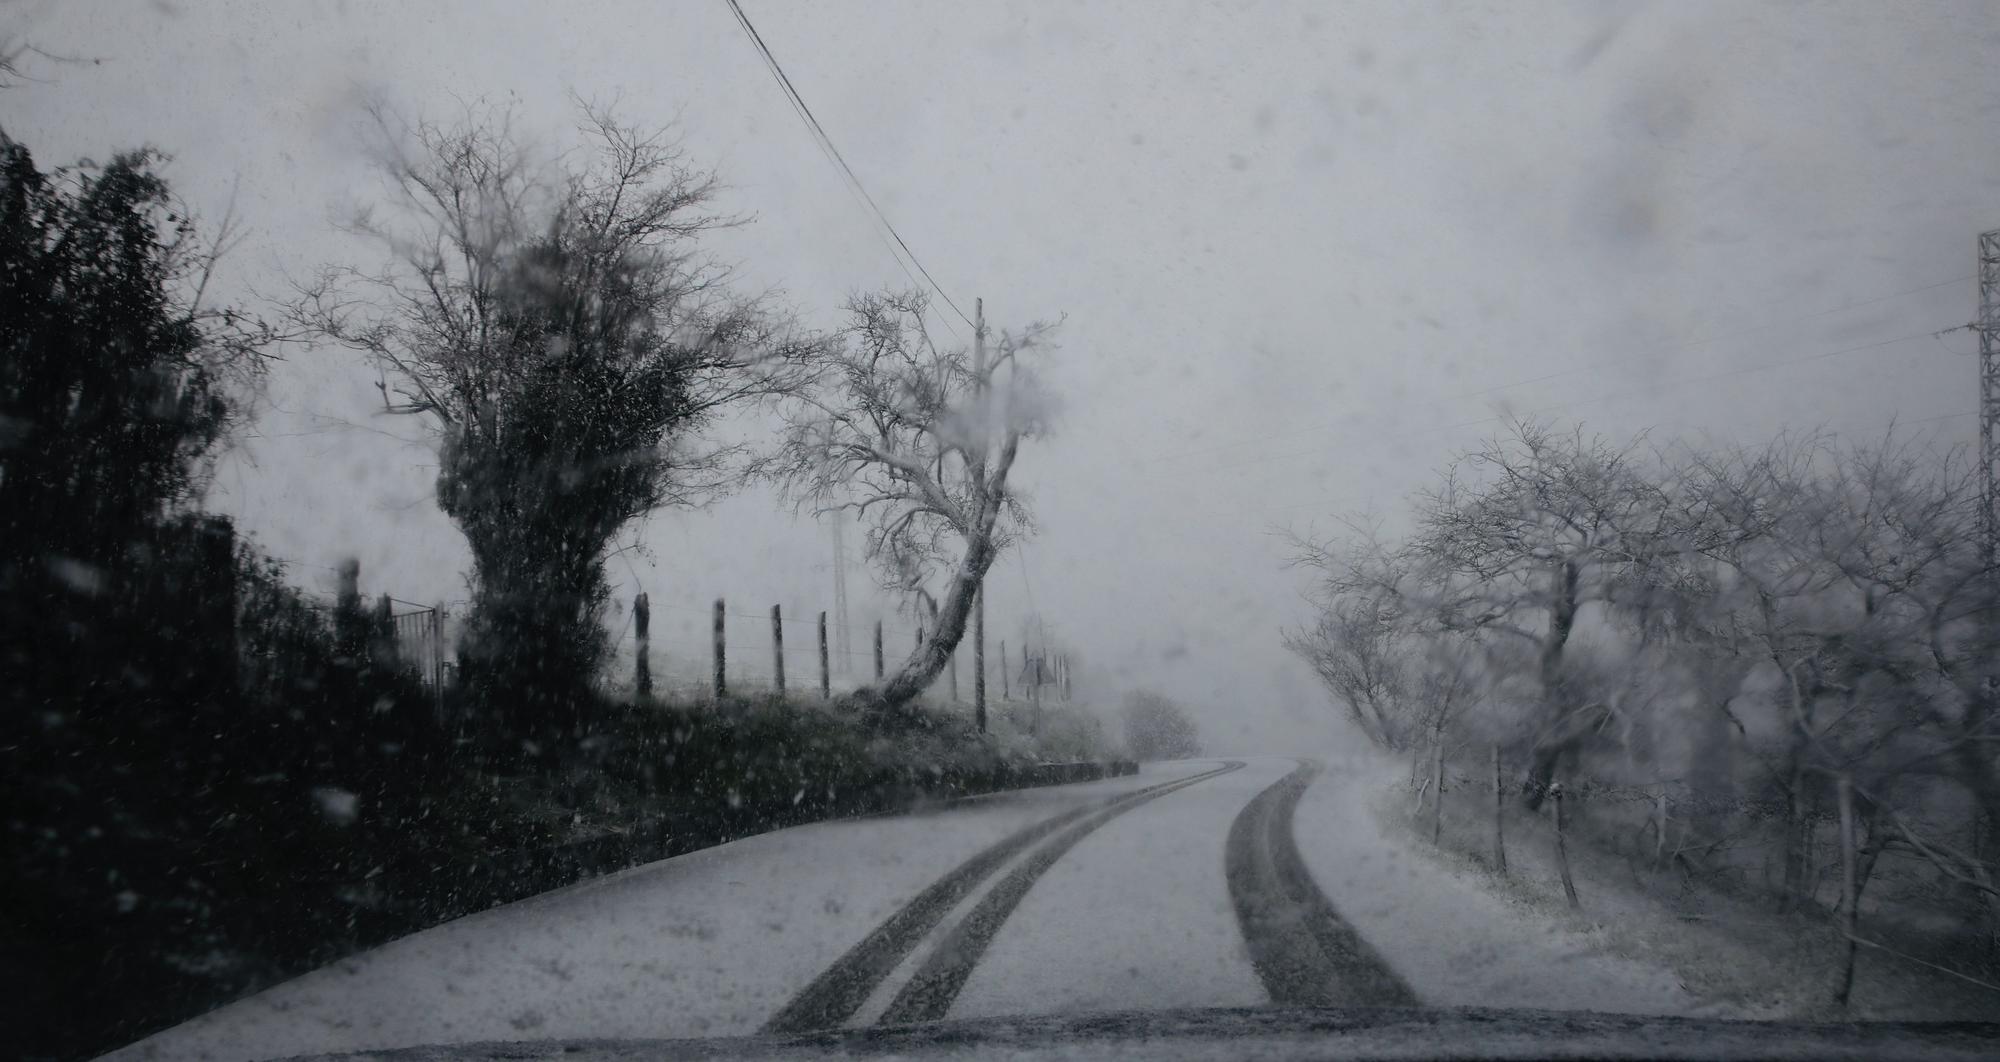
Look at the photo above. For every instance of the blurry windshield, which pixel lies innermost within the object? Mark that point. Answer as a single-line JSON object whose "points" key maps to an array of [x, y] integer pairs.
{"points": [[529, 522]]}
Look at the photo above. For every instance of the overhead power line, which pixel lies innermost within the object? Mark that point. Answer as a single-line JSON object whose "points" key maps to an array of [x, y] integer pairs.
{"points": [[832, 152]]}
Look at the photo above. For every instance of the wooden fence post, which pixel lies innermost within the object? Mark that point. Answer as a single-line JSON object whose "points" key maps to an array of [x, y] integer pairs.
{"points": [[1562, 850], [1850, 900], [437, 659], [878, 650], [778, 650], [721, 686], [825, 670], [642, 618], [385, 651], [1499, 810]]}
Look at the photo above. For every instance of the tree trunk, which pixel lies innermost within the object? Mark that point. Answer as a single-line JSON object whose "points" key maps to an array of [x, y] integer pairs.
{"points": [[1795, 841], [1562, 847], [1850, 891], [1976, 770], [1555, 692], [929, 660], [1437, 783]]}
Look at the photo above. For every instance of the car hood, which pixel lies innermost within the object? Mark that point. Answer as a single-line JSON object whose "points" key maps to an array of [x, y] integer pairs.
{"points": [[1287, 1033]]}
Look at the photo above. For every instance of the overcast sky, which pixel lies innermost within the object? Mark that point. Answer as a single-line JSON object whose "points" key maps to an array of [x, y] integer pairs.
{"points": [[1305, 252]]}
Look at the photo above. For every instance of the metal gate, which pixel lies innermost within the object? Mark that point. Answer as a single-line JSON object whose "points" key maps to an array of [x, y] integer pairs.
{"points": [[420, 645]]}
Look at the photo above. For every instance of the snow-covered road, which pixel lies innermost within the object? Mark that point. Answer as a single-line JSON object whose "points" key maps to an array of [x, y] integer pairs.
{"points": [[1180, 886]]}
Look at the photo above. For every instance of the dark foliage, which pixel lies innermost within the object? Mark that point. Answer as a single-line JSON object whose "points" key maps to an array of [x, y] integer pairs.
{"points": [[174, 722], [567, 341], [109, 390]]}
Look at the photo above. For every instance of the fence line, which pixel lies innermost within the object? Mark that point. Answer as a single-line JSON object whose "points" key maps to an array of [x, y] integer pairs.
{"points": [[1673, 808], [686, 657]]}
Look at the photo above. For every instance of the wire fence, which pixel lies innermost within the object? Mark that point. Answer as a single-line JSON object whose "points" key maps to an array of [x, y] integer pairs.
{"points": [[682, 640], [1770, 868]]}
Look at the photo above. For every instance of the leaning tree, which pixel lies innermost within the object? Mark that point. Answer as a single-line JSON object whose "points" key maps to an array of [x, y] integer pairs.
{"points": [[917, 440], [557, 324]]}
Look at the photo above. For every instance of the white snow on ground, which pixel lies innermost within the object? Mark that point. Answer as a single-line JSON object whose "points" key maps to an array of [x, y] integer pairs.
{"points": [[706, 944], [1136, 917], [1455, 941]]}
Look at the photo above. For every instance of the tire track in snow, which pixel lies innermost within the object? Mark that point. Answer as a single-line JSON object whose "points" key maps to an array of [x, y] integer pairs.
{"points": [[838, 992], [1301, 948], [929, 993]]}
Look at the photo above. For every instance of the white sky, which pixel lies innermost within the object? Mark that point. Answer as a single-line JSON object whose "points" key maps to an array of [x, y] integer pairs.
{"points": [[1300, 246]]}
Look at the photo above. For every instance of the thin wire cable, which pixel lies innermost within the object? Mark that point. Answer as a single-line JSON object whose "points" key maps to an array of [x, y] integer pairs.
{"points": [[832, 150]]}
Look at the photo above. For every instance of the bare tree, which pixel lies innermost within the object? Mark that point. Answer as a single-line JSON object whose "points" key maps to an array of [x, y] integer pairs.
{"points": [[1525, 534], [556, 323], [918, 442], [1762, 628], [1158, 728], [1355, 649]]}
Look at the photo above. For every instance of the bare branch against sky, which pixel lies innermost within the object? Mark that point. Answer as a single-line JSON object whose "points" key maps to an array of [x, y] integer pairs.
{"points": [[1305, 252]]}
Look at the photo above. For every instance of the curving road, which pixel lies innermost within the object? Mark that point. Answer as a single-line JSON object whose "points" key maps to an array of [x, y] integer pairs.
{"points": [[1181, 886]]}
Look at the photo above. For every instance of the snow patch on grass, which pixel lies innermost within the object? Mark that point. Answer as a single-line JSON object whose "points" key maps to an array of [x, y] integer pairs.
{"points": [[1437, 920]]}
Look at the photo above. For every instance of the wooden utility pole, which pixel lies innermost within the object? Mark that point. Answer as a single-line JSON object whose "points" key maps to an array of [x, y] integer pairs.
{"points": [[642, 618], [778, 650], [842, 637], [979, 596], [825, 671], [1035, 694], [878, 650], [1988, 326], [721, 685], [1005, 693], [979, 659]]}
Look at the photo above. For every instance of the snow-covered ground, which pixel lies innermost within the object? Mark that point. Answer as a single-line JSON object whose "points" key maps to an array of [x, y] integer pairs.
{"points": [[1731, 955], [1137, 915], [1456, 941], [706, 944]]}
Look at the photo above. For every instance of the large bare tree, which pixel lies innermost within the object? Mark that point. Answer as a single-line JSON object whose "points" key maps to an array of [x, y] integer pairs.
{"points": [[918, 440], [1526, 533], [556, 322]]}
